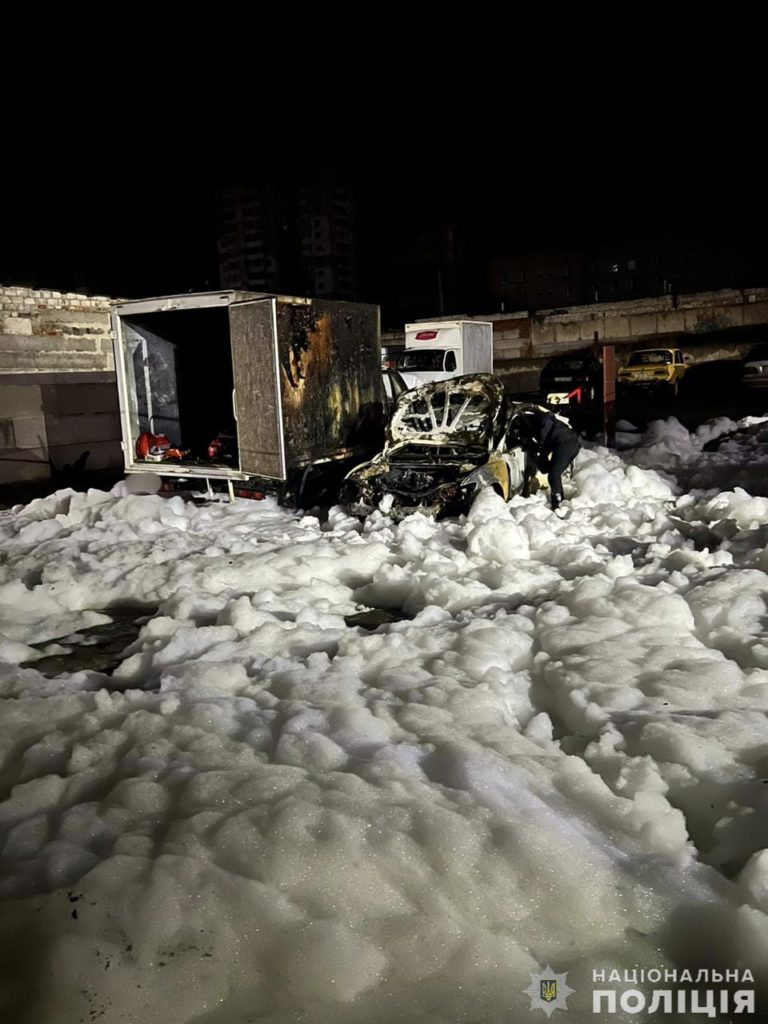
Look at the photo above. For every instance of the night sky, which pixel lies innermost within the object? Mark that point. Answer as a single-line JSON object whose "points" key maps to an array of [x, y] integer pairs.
{"points": [[528, 134]]}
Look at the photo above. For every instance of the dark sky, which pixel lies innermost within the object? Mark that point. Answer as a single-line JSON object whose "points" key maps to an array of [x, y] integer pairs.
{"points": [[530, 134]]}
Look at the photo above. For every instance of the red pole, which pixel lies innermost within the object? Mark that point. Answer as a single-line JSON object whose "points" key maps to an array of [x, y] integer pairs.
{"points": [[609, 394]]}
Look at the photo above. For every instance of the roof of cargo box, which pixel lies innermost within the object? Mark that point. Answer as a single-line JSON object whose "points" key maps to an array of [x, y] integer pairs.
{"points": [[435, 325], [187, 300], [197, 300], [202, 300]]}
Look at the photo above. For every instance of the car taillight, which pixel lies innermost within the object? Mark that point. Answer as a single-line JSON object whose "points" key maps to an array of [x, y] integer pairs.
{"points": [[575, 395]]}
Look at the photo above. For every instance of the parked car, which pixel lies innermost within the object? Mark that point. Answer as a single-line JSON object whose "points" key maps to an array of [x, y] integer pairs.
{"points": [[660, 368], [574, 379], [446, 440], [755, 367]]}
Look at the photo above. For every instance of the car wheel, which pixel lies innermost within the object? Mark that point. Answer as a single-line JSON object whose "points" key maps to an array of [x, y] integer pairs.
{"points": [[674, 389]]}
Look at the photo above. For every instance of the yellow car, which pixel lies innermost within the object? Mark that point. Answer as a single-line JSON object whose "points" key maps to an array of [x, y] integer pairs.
{"points": [[654, 368]]}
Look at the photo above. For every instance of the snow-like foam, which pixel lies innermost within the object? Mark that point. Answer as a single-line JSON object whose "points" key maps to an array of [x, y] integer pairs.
{"points": [[547, 748]]}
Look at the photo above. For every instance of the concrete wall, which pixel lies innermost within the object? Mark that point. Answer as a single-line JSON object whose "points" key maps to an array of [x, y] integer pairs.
{"points": [[58, 397], [710, 325], [46, 331], [650, 319]]}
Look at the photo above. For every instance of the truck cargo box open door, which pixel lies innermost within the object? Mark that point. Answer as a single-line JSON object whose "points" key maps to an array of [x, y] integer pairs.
{"points": [[253, 327]]}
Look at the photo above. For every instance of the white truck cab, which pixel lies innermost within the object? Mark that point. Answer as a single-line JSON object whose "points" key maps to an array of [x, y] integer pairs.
{"points": [[445, 348]]}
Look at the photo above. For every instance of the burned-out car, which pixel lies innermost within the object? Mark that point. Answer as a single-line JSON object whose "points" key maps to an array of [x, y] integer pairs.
{"points": [[446, 440]]}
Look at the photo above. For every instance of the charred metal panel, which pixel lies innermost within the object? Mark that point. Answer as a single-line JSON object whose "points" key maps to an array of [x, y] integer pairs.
{"points": [[257, 400], [463, 409], [330, 379]]}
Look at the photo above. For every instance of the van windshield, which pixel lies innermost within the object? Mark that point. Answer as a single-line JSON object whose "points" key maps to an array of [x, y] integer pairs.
{"points": [[422, 359]]}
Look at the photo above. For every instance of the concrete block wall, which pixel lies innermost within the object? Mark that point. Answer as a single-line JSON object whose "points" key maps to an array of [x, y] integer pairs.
{"points": [[652, 319], [54, 332], [58, 396], [511, 337]]}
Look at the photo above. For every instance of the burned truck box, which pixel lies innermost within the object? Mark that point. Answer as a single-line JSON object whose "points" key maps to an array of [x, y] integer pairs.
{"points": [[247, 386]]}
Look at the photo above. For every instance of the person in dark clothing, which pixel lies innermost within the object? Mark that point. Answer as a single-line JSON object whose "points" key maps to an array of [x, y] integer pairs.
{"points": [[549, 441]]}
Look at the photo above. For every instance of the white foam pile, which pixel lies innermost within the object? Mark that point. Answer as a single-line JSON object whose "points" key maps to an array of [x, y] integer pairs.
{"points": [[557, 754]]}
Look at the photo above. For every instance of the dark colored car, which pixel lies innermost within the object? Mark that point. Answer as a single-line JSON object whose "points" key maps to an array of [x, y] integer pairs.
{"points": [[574, 379]]}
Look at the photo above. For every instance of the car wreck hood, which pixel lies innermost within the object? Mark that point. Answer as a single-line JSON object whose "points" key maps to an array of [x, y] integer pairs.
{"points": [[462, 410]]}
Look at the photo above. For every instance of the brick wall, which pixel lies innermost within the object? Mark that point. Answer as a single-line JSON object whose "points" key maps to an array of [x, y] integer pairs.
{"points": [[58, 397], [46, 331]]}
